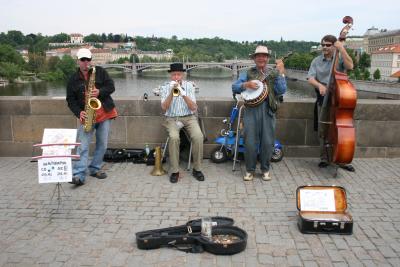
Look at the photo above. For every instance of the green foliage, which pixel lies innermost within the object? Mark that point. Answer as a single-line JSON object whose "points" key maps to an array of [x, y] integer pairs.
{"points": [[93, 38], [9, 70], [67, 65], [366, 75], [299, 61], [59, 38], [377, 74], [8, 54], [52, 76], [365, 61], [52, 63], [37, 62]]}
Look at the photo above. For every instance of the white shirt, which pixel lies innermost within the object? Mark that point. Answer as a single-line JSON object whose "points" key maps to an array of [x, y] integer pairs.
{"points": [[178, 107]]}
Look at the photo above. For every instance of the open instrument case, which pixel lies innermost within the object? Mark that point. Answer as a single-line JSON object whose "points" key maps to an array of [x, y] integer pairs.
{"points": [[188, 237], [322, 209]]}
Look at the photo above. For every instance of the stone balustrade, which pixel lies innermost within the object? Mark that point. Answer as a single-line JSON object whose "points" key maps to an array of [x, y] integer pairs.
{"points": [[23, 119]]}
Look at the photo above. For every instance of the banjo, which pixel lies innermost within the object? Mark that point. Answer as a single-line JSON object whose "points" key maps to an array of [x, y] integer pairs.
{"points": [[253, 98]]}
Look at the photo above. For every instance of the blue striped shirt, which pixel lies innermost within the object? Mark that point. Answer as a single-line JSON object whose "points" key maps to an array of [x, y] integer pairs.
{"points": [[178, 107]]}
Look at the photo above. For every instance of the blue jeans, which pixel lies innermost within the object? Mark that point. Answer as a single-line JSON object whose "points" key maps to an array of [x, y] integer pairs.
{"points": [[79, 168]]}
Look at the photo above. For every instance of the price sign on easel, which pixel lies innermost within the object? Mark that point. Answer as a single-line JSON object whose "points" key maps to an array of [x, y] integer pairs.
{"points": [[54, 170]]}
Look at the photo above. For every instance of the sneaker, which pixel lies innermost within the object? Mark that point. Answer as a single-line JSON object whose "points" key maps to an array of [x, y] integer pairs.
{"points": [[174, 177], [99, 175], [248, 177], [266, 176], [198, 175], [76, 181]]}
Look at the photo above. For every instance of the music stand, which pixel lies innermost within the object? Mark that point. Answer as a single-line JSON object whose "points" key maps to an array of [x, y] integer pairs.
{"points": [[58, 187], [55, 163]]}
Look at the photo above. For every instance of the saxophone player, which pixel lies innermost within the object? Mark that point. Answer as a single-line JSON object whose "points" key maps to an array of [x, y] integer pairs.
{"points": [[78, 93]]}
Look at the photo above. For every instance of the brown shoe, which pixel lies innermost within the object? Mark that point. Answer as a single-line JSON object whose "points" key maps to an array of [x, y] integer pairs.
{"points": [[99, 175]]}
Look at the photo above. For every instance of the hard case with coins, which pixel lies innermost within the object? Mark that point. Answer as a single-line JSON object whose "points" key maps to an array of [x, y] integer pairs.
{"points": [[323, 209]]}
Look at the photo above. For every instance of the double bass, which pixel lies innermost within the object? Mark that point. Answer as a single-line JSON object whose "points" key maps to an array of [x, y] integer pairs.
{"points": [[337, 111]]}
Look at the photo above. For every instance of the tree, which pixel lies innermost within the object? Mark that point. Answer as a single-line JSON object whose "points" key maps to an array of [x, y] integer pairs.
{"points": [[365, 61], [67, 65], [377, 74], [8, 54], [37, 62], [366, 75], [60, 38], [52, 63], [9, 70]]}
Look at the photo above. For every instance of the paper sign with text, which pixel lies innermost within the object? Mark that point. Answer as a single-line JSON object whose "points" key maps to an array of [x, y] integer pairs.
{"points": [[54, 170]]}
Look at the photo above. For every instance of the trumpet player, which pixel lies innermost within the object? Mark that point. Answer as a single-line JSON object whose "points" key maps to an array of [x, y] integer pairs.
{"points": [[179, 104], [82, 86]]}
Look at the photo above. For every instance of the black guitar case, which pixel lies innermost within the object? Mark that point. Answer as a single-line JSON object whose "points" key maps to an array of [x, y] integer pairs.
{"points": [[188, 237]]}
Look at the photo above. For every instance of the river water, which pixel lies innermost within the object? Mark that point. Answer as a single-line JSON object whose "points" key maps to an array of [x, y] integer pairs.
{"points": [[126, 84]]}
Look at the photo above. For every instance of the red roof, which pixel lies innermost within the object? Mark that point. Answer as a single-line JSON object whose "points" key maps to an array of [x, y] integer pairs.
{"points": [[395, 48], [396, 74]]}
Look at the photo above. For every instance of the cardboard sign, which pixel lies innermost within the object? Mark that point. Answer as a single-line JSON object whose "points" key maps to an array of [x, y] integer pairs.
{"points": [[54, 170]]}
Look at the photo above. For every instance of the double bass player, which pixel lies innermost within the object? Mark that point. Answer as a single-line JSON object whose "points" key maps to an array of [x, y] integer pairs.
{"points": [[318, 76]]}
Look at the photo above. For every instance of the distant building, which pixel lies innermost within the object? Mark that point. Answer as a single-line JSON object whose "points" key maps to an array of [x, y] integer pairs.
{"points": [[378, 39], [58, 52], [76, 38], [158, 55], [387, 60], [101, 56], [355, 43]]}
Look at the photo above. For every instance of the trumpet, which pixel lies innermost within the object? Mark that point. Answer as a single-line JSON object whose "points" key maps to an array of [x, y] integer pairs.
{"points": [[175, 88]]}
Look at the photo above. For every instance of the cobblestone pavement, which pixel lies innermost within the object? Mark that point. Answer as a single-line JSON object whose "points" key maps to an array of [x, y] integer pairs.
{"points": [[96, 223]]}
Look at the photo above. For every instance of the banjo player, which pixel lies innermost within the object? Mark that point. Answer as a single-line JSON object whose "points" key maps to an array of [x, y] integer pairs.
{"points": [[259, 116]]}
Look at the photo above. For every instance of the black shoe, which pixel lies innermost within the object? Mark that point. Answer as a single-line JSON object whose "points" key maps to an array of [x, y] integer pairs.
{"points": [[347, 167], [198, 175], [323, 164], [76, 181], [99, 175], [174, 177]]}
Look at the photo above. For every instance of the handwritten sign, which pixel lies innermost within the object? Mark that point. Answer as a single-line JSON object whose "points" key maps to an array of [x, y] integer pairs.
{"points": [[317, 200], [58, 136], [54, 170]]}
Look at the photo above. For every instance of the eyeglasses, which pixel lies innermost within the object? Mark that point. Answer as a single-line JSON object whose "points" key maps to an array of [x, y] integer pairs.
{"points": [[85, 59], [326, 45]]}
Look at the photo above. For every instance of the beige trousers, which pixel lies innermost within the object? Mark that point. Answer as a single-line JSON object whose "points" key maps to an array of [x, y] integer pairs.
{"points": [[191, 124]]}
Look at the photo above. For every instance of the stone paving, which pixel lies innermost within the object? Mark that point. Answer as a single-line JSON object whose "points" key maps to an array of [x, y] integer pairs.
{"points": [[95, 224]]}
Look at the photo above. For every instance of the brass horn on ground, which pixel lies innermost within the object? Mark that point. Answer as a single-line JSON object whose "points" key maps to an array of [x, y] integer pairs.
{"points": [[158, 169]]}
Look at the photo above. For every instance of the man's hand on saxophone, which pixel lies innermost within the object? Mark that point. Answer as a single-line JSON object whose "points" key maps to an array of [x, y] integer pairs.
{"points": [[95, 92], [82, 117]]}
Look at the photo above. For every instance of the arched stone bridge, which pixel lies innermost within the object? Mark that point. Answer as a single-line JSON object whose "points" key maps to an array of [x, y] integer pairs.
{"points": [[136, 68]]}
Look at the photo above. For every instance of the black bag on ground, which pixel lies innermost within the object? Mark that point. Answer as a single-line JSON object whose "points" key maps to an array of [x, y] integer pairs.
{"points": [[135, 155], [188, 237]]}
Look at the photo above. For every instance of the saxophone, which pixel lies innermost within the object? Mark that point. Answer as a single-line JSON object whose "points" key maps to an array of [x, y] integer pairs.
{"points": [[91, 103]]}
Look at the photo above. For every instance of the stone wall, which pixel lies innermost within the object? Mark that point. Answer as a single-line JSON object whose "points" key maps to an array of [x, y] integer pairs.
{"points": [[23, 119]]}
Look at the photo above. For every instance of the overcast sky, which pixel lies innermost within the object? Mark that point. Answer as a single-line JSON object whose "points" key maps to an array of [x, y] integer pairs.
{"points": [[227, 19]]}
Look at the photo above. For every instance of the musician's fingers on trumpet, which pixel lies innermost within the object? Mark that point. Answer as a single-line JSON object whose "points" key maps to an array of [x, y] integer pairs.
{"points": [[176, 89]]}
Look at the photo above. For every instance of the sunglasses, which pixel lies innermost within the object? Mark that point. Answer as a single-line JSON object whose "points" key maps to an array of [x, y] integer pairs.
{"points": [[85, 59], [326, 45]]}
